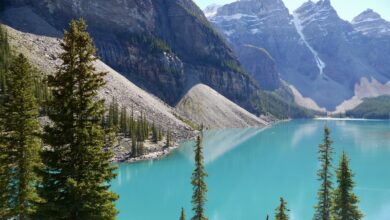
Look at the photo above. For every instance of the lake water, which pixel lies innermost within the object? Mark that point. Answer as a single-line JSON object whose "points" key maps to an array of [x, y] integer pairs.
{"points": [[249, 169]]}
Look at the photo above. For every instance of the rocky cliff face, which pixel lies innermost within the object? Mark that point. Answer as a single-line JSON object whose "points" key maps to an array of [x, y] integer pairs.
{"points": [[163, 46], [266, 24], [371, 24], [261, 65], [317, 52]]}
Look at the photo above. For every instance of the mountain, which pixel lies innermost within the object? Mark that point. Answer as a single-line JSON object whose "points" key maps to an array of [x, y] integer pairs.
{"points": [[371, 24], [165, 47], [42, 51], [372, 108], [321, 55], [33, 35], [210, 109]]}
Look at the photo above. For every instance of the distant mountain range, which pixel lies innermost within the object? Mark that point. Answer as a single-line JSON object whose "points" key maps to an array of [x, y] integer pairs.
{"points": [[328, 62]]}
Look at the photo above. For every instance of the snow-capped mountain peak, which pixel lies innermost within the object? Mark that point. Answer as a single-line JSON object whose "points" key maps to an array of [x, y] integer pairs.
{"points": [[371, 23]]}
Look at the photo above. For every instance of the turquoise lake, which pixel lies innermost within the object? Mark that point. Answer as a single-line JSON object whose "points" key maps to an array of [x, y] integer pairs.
{"points": [[250, 169]]}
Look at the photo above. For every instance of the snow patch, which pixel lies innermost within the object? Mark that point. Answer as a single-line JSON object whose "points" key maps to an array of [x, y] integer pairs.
{"points": [[298, 25], [228, 33], [211, 10]]}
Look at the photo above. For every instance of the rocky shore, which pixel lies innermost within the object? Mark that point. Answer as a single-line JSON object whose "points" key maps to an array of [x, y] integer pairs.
{"points": [[153, 151]]}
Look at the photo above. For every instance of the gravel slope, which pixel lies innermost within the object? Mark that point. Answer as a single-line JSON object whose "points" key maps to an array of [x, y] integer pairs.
{"points": [[42, 51], [206, 106]]}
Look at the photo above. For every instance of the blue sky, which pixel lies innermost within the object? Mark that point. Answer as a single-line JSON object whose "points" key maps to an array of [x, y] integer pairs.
{"points": [[347, 9]]}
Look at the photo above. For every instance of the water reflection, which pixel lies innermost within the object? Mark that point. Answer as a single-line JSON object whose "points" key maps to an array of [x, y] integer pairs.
{"points": [[216, 143]]}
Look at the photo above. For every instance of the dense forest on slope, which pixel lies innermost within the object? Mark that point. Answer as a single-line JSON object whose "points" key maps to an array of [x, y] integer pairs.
{"points": [[372, 108]]}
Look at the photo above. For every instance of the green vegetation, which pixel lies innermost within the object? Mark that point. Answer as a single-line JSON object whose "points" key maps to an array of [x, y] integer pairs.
{"points": [[233, 65], [127, 125], [150, 43], [280, 107], [5, 57], [199, 184], [76, 167], [281, 211], [345, 202], [187, 122], [323, 208], [20, 144], [372, 108]]}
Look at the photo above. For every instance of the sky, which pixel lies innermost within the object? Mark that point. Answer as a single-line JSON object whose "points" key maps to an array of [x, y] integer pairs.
{"points": [[347, 9]]}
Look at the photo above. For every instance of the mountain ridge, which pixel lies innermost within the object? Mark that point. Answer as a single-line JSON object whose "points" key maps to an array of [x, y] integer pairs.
{"points": [[323, 56]]}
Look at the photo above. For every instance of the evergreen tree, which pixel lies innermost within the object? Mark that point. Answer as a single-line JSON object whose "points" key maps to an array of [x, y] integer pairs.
{"points": [[123, 120], [182, 214], [131, 131], [20, 142], [134, 152], [199, 184], [323, 208], [115, 112], [345, 202], [281, 211], [4, 160], [168, 139], [160, 134], [5, 57], [77, 170], [154, 133]]}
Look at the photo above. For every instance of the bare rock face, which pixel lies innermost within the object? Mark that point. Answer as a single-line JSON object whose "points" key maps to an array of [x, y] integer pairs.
{"points": [[371, 24], [315, 51], [163, 46], [260, 64]]}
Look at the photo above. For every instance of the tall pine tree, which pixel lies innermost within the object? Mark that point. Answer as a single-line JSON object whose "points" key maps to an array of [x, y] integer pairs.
{"points": [[199, 184], [282, 211], [323, 208], [5, 57], [77, 170], [20, 142], [4, 163], [345, 202]]}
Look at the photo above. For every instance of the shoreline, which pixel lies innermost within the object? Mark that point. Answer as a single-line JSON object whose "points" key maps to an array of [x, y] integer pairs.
{"points": [[158, 152]]}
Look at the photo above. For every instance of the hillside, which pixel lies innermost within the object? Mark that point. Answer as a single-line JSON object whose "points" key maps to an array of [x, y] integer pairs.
{"points": [[43, 52], [372, 108], [210, 109]]}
